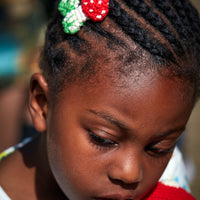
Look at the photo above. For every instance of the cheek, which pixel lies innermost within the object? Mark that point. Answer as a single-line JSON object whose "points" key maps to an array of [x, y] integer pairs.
{"points": [[156, 166], [153, 169], [73, 163]]}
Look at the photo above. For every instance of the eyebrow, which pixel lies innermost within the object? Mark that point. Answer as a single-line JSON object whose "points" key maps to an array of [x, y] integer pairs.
{"points": [[108, 117], [180, 129]]}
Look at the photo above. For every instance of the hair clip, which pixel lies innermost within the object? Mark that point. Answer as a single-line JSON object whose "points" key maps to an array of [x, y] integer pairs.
{"points": [[76, 13]]}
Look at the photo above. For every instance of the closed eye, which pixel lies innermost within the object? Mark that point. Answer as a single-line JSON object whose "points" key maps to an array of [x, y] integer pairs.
{"points": [[100, 141], [152, 150], [157, 151]]}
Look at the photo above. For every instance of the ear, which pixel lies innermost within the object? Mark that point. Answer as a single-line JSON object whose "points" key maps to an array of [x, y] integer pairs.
{"points": [[38, 101]]}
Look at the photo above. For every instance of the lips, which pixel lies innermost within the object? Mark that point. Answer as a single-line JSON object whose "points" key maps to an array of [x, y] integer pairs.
{"points": [[115, 197]]}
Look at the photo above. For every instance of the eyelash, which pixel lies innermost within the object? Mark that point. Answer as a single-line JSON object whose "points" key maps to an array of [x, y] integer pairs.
{"points": [[100, 142], [103, 143], [156, 152]]}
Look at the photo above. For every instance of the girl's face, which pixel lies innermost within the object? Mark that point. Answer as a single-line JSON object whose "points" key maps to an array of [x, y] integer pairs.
{"points": [[113, 140]]}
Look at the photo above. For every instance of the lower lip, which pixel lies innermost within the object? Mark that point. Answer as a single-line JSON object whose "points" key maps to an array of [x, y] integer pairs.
{"points": [[106, 199], [110, 199]]}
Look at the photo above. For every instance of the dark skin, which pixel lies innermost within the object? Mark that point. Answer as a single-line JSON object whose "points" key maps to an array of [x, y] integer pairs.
{"points": [[101, 140]]}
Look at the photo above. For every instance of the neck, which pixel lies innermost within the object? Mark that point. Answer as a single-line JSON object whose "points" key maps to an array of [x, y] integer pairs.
{"points": [[35, 155]]}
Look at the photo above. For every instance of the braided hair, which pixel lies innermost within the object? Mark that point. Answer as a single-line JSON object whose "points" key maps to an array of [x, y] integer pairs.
{"points": [[168, 30]]}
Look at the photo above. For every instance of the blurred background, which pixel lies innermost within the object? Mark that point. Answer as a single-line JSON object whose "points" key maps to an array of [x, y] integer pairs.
{"points": [[22, 26]]}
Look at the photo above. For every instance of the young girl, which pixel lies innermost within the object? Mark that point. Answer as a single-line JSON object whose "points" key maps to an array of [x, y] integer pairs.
{"points": [[119, 81]]}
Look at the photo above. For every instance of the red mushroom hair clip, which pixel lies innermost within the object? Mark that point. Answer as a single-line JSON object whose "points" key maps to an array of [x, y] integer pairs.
{"points": [[76, 13]]}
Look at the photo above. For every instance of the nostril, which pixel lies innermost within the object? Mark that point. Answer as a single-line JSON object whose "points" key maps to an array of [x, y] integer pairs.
{"points": [[128, 177], [125, 185]]}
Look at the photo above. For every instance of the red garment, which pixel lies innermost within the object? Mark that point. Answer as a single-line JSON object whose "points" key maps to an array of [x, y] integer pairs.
{"points": [[165, 192]]}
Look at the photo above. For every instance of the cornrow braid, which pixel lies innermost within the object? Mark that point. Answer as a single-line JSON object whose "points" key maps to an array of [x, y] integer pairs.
{"points": [[55, 36], [191, 19], [96, 28], [138, 34], [157, 22], [175, 20], [190, 28]]}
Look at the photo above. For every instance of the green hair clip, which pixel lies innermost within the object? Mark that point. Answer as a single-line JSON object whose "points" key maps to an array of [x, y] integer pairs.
{"points": [[73, 15]]}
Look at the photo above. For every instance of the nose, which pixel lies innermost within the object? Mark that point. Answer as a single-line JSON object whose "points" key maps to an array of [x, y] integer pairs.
{"points": [[126, 169]]}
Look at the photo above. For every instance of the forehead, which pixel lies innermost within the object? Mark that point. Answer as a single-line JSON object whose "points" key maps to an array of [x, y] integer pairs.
{"points": [[152, 101]]}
